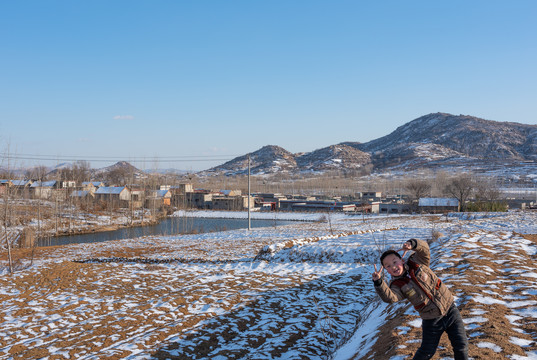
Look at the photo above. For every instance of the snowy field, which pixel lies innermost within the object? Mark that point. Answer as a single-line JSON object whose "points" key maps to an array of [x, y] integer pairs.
{"points": [[301, 291]]}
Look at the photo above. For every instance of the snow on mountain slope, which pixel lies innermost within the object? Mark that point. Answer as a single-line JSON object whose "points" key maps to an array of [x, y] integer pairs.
{"points": [[432, 140]]}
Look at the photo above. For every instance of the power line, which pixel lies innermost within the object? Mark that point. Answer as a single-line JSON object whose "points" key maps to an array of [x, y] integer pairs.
{"points": [[168, 159]]}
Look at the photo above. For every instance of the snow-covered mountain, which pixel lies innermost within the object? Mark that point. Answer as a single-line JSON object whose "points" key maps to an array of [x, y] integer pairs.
{"points": [[437, 139], [334, 157], [451, 139], [269, 159]]}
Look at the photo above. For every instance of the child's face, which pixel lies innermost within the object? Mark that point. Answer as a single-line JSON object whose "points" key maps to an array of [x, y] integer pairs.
{"points": [[394, 265]]}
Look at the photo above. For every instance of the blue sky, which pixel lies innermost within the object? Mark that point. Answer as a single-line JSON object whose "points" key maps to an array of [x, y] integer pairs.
{"points": [[192, 84]]}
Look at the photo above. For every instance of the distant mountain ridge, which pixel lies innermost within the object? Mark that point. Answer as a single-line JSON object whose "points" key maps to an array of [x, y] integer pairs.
{"points": [[431, 140], [445, 137]]}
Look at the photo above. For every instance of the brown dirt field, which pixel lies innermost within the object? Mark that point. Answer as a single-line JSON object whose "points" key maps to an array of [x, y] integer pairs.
{"points": [[86, 308], [88, 325]]}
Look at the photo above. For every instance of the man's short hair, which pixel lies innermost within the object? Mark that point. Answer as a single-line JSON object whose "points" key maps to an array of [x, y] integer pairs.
{"points": [[386, 253]]}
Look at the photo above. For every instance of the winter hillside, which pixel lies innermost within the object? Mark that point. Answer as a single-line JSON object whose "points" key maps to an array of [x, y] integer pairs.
{"points": [[431, 141], [269, 159], [333, 157], [301, 291], [450, 138]]}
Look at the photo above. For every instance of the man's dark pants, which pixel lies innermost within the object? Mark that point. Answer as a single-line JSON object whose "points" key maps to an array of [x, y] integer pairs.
{"points": [[433, 329]]}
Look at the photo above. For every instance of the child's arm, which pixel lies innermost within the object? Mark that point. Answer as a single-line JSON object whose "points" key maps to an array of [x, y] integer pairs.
{"points": [[422, 254], [386, 293]]}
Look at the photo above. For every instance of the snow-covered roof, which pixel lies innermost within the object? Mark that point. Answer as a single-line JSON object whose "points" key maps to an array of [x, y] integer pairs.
{"points": [[79, 193], [438, 202], [110, 190], [159, 193], [50, 183], [94, 183], [20, 182], [162, 193]]}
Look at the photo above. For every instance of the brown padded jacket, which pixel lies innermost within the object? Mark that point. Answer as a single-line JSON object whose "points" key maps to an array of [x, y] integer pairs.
{"points": [[419, 284]]}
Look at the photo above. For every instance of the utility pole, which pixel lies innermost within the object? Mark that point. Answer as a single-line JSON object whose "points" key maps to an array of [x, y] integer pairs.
{"points": [[249, 220]]}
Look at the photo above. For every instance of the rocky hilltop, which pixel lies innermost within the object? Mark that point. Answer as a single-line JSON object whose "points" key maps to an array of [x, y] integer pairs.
{"points": [[440, 137], [268, 159], [334, 157], [120, 166], [437, 139]]}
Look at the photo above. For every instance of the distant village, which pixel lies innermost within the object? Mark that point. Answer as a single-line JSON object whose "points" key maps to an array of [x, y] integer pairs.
{"points": [[184, 196]]}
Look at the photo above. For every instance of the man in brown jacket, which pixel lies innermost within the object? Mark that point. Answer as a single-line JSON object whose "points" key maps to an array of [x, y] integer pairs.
{"points": [[415, 281]]}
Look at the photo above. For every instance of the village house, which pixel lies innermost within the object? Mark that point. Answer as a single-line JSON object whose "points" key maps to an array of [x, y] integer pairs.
{"points": [[268, 200], [394, 208], [438, 205], [323, 206], [375, 207], [179, 194], [231, 192], [4, 185], [370, 196], [82, 197], [137, 196], [91, 186], [181, 188], [66, 184], [158, 198], [114, 196], [238, 202], [201, 199], [287, 204], [22, 188], [42, 189]]}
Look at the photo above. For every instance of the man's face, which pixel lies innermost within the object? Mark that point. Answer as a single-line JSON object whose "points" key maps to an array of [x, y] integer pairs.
{"points": [[394, 265]]}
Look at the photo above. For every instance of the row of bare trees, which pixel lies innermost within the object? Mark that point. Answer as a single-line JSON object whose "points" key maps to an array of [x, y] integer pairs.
{"points": [[464, 187]]}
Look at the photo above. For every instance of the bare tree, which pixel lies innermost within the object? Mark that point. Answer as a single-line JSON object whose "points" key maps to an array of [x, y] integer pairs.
{"points": [[487, 190], [417, 189], [6, 223], [118, 176], [80, 172], [37, 173], [7, 211], [461, 187]]}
